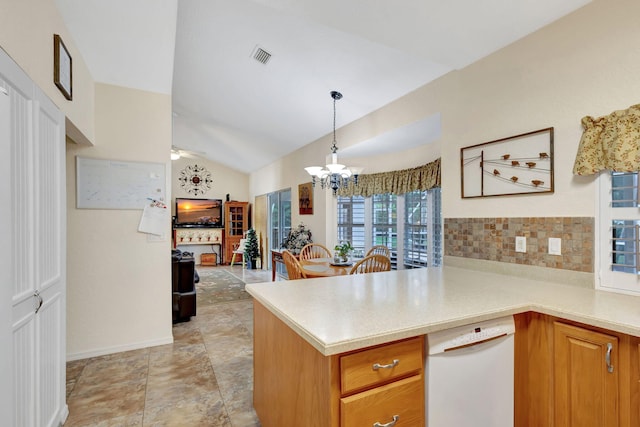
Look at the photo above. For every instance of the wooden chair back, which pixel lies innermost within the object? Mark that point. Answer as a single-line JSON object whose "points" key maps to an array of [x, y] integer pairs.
{"points": [[315, 250], [371, 264], [294, 271], [379, 250]]}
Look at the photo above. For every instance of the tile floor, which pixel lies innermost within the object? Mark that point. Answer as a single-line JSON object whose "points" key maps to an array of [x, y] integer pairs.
{"points": [[204, 378]]}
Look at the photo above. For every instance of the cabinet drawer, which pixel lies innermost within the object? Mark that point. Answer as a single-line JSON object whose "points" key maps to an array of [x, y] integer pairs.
{"points": [[403, 398], [357, 370]]}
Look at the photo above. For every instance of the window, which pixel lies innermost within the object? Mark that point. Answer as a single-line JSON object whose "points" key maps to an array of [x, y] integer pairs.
{"points": [[422, 229], [279, 221], [619, 261], [351, 221], [409, 225], [384, 222]]}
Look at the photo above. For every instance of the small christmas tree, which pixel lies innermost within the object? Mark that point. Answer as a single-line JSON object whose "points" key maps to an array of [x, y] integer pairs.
{"points": [[251, 251]]}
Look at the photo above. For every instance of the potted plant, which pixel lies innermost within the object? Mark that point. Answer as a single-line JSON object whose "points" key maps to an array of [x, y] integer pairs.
{"points": [[251, 251], [297, 239], [342, 252]]}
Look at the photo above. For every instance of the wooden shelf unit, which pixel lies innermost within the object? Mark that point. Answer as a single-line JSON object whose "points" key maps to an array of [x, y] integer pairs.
{"points": [[236, 224]]}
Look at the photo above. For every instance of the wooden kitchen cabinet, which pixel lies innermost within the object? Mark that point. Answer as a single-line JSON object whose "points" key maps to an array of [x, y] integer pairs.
{"points": [[236, 223], [586, 377], [562, 379], [295, 385], [401, 402], [389, 385]]}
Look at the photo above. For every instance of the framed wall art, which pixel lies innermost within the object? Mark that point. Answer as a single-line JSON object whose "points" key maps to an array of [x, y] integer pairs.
{"points": [[520, 164], [62, 70], [305, 198]]}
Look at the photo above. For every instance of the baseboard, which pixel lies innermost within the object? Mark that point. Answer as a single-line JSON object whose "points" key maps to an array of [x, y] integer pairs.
{"points": [[119, 349], [64, 414]]}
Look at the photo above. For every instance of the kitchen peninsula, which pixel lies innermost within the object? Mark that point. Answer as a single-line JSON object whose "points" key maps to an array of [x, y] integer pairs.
{"points": [[307, 332]]}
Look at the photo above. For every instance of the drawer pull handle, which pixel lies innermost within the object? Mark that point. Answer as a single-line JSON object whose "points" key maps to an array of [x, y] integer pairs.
{"points": [[393, 364], [607, 358], [389, 424]]}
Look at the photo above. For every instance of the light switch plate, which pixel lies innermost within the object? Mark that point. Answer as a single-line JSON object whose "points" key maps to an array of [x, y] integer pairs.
{"points": [[555, 246], [521, 244]]}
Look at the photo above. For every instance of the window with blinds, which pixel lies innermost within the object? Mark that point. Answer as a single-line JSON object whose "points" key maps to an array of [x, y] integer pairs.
{"points": [[422, 229], [624, 232], [410, 225], [351, 221], [385, 221], [619, 232]]}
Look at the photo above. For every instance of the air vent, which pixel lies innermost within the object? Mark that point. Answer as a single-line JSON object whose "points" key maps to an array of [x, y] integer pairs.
{"points": [[261, 55]]}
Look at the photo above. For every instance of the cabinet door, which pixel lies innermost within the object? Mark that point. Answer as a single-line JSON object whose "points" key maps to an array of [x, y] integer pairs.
{"points": [[398, 404], [586, 377]]}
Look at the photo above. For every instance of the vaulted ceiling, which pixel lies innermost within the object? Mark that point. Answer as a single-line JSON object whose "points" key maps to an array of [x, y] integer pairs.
{"points": [[243, 113]]}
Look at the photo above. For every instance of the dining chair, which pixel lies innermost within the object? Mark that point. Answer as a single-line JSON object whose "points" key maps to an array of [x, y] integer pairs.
{"points": [[294, 271], [371, 264], [314, 250], [379, 250], [239, 250]]}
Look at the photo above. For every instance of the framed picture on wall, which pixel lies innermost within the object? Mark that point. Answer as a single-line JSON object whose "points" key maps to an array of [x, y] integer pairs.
{"points": [[520, 164], [62, 70], [305, 198]]}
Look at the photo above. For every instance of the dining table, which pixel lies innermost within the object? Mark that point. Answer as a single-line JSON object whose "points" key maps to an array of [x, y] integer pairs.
{"points": [[324, 267]]}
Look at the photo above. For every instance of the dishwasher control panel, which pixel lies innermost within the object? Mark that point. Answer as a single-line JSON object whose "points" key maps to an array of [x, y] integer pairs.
{"points": [[462, 336]]}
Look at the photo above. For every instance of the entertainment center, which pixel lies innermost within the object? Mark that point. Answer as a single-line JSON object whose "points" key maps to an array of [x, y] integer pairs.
{"points": [[201, 222], [197, 223]]}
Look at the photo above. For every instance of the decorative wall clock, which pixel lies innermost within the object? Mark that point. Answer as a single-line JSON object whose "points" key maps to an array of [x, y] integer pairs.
{"points": [[195, 179]]}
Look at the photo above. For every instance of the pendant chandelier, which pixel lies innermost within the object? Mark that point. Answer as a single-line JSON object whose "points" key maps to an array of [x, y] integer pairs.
{"points": [[334, 175]]}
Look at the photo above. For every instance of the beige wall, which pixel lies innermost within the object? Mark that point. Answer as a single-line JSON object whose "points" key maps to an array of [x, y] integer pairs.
{"points": [[585, 63], [119, 283], [26, 34], [225, 181]]}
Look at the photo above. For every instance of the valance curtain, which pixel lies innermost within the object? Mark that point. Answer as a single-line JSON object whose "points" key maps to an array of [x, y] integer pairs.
{"points": [[610, 143], [423, 177]]}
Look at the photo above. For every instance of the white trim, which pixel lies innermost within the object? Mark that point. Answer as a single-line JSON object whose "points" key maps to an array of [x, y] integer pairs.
{"points": [[119, 348]]}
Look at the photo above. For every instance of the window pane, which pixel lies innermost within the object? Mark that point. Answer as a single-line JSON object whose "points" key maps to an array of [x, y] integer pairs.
{"points": [[624, 246], [436, 241], [351, 221], [384, 223], [279, 222], [624, 189], [415, 229]]}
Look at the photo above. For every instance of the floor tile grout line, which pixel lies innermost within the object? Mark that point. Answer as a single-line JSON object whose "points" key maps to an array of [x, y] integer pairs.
{"points": [[224, 402]]}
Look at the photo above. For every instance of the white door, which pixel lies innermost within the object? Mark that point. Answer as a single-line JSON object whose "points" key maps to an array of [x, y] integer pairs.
{"points": [[37, 236], [6, 263]]}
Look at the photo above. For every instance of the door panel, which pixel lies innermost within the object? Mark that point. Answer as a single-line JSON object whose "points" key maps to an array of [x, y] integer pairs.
{"points": [[586, 393], [35, 288]]}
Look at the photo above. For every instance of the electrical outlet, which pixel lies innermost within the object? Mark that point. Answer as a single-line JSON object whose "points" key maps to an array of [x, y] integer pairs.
{"points": [[521, 244], [555, 246]]}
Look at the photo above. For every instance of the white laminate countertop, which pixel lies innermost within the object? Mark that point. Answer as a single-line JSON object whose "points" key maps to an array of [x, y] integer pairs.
{"points": [[339, 314]]}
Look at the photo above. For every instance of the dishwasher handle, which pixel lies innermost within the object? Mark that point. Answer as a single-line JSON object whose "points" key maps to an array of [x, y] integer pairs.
{"points": [[471, 344]]}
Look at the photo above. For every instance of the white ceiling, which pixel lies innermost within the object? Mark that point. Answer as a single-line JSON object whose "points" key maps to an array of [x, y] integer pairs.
{"points": [[239, 112]]}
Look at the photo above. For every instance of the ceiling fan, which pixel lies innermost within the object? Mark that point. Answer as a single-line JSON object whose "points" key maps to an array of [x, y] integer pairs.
{"points": [[177, 152]]}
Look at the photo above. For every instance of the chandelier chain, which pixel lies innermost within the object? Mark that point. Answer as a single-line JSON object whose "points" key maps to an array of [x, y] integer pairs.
{"points": [[335, 95]]}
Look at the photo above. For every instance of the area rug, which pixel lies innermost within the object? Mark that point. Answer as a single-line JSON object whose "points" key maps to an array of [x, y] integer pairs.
{"points": [[219, 286]]}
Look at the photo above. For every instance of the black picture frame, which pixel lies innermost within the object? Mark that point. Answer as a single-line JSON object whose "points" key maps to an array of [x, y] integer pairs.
{"points": [[62, 68]]}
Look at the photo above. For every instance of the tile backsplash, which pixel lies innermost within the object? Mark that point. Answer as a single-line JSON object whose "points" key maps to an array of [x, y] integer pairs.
{"points": [[494, 239]]}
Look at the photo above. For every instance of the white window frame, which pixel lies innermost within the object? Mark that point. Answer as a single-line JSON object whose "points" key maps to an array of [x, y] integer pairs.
{"points": [[606, 279]]}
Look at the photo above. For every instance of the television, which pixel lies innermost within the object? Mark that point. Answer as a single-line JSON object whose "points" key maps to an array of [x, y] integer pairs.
{"points": [[198, 213]]}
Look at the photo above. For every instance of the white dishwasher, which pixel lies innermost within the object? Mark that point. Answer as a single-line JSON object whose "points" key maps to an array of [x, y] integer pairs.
{"points": [[469, 381]]}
